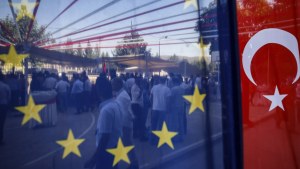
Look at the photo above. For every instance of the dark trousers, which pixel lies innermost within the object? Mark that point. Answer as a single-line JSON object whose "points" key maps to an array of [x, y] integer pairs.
{"points": [[78, 102], [139, 127], [3, 112], [87, 100], [62, 101], [105, 161], [157, 119], [127, 140], [14, 99]]}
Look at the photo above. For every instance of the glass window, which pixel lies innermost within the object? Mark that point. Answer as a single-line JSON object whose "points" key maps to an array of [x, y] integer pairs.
{"points": [[117, 83]]}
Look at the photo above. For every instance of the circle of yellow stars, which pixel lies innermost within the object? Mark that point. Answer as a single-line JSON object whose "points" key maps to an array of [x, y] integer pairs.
{"points": [[196, 100], [71, 145], [12, 57]]}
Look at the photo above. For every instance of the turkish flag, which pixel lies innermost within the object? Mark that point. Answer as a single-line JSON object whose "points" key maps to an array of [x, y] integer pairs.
{"points": [[269, 61]]}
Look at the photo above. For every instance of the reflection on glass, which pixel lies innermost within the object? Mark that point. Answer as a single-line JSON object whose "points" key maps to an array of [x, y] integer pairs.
{"points": [[120, 84]]}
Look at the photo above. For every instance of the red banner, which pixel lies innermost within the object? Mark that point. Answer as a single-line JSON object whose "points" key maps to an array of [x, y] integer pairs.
{"points": [[269, 36]]}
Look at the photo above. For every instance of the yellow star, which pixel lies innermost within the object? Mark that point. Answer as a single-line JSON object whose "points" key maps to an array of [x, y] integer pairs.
{"points": [[120, 152], [196, 100], [70, 145], [25, 8], [190, 2], [165, 136], [12, 57], [31, 111]]}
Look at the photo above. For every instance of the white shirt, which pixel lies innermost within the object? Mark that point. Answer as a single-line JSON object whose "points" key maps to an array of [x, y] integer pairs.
{"points": [[198, 82], [160, 94], [50, 83], [137, 96], [62, 86], [109, 122], [77, 87], [123, 99], [129, 83], [184, 85]]}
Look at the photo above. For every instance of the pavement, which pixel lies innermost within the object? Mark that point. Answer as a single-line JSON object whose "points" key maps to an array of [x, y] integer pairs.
{"points": [[27, 148]]}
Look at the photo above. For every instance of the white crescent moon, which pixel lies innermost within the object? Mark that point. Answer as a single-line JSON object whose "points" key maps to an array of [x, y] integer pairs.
{"points": [[267, 36]]}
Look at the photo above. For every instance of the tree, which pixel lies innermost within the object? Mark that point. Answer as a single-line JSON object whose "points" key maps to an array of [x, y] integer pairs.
{"points": [[9, 31], [102, 55], [207, 23], [79, 51], [96, 53], [174, 58], [253, 11], [132, 44], [88, 51], [106, 54], [69, 49]]}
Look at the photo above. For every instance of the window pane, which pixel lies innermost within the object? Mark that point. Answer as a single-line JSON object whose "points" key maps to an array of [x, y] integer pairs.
{"points": [[111, 83]]}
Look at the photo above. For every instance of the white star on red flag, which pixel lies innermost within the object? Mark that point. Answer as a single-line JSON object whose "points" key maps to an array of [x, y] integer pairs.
{"points": [[276, 99]]}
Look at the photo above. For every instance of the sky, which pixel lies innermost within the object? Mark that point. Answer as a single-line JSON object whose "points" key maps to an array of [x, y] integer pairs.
{"points": [[48, 9]]}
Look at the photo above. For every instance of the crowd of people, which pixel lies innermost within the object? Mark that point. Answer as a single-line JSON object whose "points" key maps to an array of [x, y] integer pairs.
{"points": [[130, 105], [128, 102]]}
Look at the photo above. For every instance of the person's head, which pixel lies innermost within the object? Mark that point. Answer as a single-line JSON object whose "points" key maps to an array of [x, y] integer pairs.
{"points": [[102, 75], [122, 76], [53, 75], [138, 81], [46, 73], [162, 80], [176, 80], [145, 84], [83, 73], [117, 84], [180, 78], [64, 77], [75, 76], [186, 80]]}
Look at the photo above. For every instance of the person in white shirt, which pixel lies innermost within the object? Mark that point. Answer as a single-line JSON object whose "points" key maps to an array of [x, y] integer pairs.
{"points": [[76, 92], [50, 82], [123, 99], [198, 82], [108, 131], [176, 117], [129, 83], [5, 97], [62, 88], [87, 91], [159, 95], [137, 102]]}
